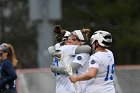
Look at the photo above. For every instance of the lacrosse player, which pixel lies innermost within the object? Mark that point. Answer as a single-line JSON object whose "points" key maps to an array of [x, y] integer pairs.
{"points": [[78, 62], [7, 69], [61, 38], [101, 65]]}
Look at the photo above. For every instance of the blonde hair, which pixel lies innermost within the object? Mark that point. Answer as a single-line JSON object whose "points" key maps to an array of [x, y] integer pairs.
{"points": [[86, 33], [12, 56]]}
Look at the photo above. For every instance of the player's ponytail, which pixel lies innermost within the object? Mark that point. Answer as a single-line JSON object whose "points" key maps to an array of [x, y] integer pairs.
{"points": [[61, 34]]}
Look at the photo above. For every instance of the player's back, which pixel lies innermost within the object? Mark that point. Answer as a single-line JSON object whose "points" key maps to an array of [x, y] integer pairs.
{"points": [[103, 83], [81, 59]]}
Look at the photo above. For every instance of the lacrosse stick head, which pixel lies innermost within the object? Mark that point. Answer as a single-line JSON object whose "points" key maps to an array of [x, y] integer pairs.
{"points": [[64, 62]]}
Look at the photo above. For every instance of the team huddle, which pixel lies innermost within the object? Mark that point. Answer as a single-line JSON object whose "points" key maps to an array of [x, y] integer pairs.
{"points": [[80, 66]]}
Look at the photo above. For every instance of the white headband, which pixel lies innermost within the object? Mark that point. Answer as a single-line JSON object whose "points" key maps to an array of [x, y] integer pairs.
{"points": [[79, 34]]}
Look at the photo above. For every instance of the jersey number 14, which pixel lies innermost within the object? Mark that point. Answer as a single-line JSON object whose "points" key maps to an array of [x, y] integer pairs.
{"points": [[110, 72]]}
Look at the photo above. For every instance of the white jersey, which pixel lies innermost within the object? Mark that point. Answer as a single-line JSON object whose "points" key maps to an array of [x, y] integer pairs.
{"points": [[63, 84], [82, 59], [103, 82], [57, 46]]}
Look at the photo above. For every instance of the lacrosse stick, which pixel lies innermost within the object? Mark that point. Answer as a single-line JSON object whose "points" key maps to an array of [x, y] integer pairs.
{"points": [[68, 68]]}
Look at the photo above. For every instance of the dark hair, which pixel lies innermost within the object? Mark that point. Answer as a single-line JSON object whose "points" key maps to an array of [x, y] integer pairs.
{"points": [[57, 29], [59, 33]]}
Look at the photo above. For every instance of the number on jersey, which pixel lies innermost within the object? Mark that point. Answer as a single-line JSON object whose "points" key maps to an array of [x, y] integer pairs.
{"points": [[110, 72], [55, 63]]}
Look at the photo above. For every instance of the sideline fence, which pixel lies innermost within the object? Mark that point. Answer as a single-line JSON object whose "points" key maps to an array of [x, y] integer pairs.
{"points": [[128, 79], [42, 80], [35, 81]]}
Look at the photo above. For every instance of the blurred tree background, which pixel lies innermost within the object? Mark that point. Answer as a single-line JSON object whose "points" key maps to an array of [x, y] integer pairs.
{"points": [[120, 17], [16, 29]]}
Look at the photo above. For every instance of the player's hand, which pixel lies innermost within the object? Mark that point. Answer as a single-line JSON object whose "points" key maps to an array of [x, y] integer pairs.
{"points": [[53, 68], [51, 50], [73, 78]]}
